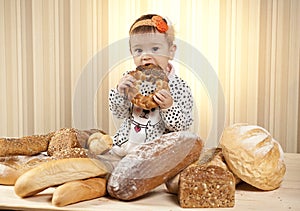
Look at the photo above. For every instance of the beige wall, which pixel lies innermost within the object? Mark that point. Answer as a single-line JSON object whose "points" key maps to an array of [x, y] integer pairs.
{"points": [[46, 45]]}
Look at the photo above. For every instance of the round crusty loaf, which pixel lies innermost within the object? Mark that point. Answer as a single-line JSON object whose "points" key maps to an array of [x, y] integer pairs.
{"points": [[253, 155]]}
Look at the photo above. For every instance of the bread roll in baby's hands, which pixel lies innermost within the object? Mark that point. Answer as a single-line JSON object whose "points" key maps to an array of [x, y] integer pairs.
{"points": [[57, 172], [253, 155], [153, 163]]}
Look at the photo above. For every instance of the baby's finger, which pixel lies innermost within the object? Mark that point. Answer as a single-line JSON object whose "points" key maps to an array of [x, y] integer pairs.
{"points": [[164, 93], [130, 78]]}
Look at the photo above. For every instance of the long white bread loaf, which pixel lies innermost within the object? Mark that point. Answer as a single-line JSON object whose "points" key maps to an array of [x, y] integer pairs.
{"points": [[153, 163], [57, 172], [80, 190]]}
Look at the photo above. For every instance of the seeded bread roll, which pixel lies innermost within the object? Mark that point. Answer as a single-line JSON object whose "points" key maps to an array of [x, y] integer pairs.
{"points": [[67, 138], [253, 155], [99, 143], [153, 163], [76, 152]]}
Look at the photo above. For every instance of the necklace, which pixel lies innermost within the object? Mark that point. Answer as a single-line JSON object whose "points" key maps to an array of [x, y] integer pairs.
{"points": [[138, 126]]}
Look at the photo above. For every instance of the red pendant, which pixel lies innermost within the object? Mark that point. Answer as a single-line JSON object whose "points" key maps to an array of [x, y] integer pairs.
{"points": [[137, 128]]}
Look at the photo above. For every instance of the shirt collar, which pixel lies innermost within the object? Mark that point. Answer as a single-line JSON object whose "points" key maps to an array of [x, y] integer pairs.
{"points": [[170, 70]]}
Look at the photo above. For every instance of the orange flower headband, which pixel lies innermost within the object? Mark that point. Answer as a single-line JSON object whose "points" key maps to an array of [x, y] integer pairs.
{"points": [[156, 21]]}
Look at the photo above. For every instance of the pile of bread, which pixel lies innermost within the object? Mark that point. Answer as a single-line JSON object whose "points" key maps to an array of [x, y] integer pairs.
{"points": [[200, 177], [246, 153], [65, 158]]}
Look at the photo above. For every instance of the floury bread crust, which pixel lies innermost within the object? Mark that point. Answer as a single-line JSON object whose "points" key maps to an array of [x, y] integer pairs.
{"points": [[253, 155], [151, 164], [12, 167]]}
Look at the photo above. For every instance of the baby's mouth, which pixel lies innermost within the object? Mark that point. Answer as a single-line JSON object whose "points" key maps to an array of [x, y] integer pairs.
{"points": [[147, 64]]}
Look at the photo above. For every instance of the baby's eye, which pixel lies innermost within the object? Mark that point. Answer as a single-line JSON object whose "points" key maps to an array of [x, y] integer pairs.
{"points": [[137, 51], [154, 49]]}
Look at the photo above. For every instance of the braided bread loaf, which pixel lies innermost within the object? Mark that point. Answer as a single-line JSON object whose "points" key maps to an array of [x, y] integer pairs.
{"points": [[146, 76]]}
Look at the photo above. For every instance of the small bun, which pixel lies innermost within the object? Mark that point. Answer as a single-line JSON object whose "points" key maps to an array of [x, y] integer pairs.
{"points": [[253, 155]]}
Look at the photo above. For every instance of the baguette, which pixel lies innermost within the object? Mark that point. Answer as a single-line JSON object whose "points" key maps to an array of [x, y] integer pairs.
{"points": [[81, 190], [153, 163], [57, 172]]}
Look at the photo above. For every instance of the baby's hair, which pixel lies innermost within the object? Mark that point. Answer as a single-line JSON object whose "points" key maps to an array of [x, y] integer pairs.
{"points": [[139, 28]]}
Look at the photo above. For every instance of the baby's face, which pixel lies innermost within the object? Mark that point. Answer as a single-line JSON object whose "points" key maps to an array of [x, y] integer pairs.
{"points": [[151, 48]]}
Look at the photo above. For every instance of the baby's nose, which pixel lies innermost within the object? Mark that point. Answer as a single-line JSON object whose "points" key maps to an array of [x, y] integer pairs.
{"points": [[146, 56]]}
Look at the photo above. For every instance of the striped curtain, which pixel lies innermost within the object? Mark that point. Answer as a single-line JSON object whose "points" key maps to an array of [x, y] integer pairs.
{"points": [[58, 60]]}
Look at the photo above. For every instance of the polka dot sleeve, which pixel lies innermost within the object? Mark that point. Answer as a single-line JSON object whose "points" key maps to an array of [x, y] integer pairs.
{"points": [[118, 104], [179, 115]]}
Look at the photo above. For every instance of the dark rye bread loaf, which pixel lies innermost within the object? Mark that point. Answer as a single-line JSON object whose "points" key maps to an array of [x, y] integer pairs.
{"points": [[207, 183], [208, 157], [153, 163]]}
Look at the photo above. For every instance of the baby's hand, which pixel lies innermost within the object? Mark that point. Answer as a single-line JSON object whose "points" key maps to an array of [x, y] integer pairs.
{"points": [[163, 98], [125, 83]]}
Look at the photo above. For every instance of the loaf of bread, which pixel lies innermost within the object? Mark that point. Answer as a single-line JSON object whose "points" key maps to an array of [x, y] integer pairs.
{"points": [[253, 155], [11, 167], [80, 190], [57, 172], [215, 157], [54, 142], [152, 164], [28, 145], [210, 157], [205, 186]]}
